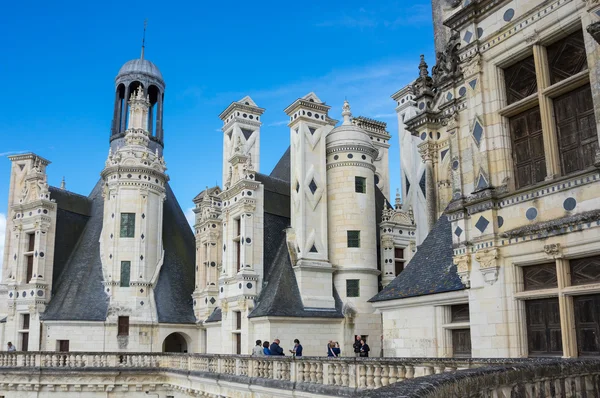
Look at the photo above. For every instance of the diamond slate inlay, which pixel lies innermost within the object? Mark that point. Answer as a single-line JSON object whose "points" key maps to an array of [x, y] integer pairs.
{"points": [[312, 186], [212, 300], [458, 231], [407, 184], [482, 224], [473, 83], [422, 185], [477, 132], [468, 36], [462, 91], [444, 153], [449, 96]]}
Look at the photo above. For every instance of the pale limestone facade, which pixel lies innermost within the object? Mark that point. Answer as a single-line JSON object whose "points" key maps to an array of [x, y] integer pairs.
{"points": [[525, 235], [327, 181]]}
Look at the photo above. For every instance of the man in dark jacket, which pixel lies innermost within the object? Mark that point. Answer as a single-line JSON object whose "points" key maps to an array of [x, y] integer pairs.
{"points": [[357, 346], [275, 349]]}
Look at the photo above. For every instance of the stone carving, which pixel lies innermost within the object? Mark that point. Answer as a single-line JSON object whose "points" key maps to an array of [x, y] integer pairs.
{"points": [[472, 65], [424, 83], [463, 268], [553, 249], [454, 3], [446, 67], [488, 264], [594, 31]]}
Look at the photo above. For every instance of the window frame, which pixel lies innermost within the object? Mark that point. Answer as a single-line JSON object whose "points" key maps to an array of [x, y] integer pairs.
{"points": [[355, 240], [129, 222], [121, 281], [543, 98], [360, 184], [349, 287]]}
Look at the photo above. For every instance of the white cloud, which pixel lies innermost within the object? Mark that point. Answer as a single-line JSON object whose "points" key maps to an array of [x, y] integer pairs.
{"points": [[279, 123], [190, 216], [2, 236]]}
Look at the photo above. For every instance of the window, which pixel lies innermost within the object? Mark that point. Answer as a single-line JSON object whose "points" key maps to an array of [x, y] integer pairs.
{"points": [[352, 288], [461, 343], [238, 320], [24, 341], [29, 257], [520, 81], [576, 128], [353, 238], [238, 343], [125, 273], [237, 242], [563, 106], [459, 313], [543, 327], [541, 276], [398, 260], [585, 270], [123, 326], [25, 321], [127, 225], [62, 345], [587, 324], [528, 147], [360, 184]]}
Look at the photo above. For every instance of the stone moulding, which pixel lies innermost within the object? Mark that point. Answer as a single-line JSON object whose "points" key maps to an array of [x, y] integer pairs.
{"points": [[557, 226], [488, 264]]}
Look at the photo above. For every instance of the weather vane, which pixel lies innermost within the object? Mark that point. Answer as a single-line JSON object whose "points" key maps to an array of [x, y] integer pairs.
{"points": [[144, 36]]}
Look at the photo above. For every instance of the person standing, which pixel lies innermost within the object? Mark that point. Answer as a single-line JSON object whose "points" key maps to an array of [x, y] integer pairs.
{"points": [[266, 350], [364, 349], [357, 346], [336, 349], [331, 350], [297, 350], [11, 347], [275, 348], [257, 351]]}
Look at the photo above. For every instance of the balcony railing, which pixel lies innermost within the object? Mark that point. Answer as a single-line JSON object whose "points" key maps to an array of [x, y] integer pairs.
{"points": [[336, 376]]}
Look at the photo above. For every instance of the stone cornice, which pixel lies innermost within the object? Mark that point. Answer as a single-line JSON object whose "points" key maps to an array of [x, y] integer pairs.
{"points": [[303, 103], [234, 106], [28, 156], [474, 11], [351, 164], [242, 122]]}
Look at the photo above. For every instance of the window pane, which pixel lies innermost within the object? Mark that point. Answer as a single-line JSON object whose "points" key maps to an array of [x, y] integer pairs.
{"points": [[352, 288], [520, 80], [123, 326], [528, 148], [541, 276], [567, 57], [587, 324], [576, 126], [543, 327], [585, 270], [360, 184], [460, 313], [127, 225], [125, 273], [353, 238]]}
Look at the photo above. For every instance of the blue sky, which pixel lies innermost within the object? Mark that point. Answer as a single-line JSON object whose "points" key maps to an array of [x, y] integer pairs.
{"points": [[59, 61]]}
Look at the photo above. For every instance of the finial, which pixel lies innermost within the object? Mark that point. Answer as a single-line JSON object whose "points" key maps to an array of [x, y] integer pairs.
{"points": [[144, 37], [423, 72], [346, 112], [398, 203], [63, 184]]}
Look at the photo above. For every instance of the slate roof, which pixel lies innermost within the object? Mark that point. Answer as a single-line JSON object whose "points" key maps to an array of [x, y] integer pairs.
{"points": [[78, 289], [430, 271], [282, 169], [216, 316], [210, 191], [280, 295]]}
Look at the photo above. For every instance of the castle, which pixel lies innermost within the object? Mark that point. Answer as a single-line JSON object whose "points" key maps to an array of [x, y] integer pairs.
{"points": [[495, 252], [295, 253]]}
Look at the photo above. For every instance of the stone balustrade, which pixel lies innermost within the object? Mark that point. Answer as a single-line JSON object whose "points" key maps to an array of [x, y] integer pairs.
{"points": [[314, 375]]}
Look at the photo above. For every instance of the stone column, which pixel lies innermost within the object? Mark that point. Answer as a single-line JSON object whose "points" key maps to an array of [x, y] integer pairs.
{"points": [[124, 111], [591, 36], [546, 112], [567, 312], [159, 117], [427, 155]]}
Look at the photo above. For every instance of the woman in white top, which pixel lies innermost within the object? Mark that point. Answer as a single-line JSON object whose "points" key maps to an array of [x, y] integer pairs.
{"points": [[257, 351]]}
